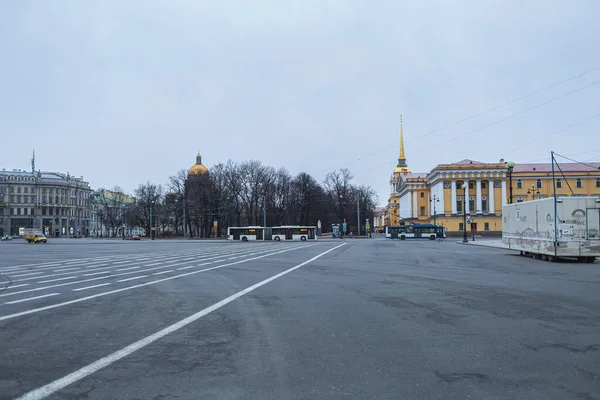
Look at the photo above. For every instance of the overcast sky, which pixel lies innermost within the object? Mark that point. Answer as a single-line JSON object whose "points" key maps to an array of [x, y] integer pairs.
{"points": [[123, 92]]}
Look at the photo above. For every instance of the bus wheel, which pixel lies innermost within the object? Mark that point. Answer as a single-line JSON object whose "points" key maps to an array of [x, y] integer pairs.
{"points": [[432, 237], [244, 239], [303, 238], [402, 237], [277, 238]]}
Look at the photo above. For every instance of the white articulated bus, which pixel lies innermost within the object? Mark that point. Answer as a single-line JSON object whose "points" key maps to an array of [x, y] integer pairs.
{"points": [[303, 233], [276, 233], [246, 233]]}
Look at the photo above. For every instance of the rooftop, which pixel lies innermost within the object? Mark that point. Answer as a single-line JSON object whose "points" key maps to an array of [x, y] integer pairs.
{"points": [[565, 167], [44, 174]]}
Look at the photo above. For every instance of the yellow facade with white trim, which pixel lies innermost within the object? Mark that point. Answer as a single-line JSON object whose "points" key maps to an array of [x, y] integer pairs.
{"points": [[438, 196]]}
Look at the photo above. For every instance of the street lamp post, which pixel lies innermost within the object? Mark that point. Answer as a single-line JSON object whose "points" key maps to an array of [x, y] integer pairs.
{"points": [[464, 188], [510, 166], [434, 199], [533, 191]]}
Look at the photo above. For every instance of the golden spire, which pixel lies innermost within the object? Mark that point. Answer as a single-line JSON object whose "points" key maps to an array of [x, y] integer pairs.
{"points": [[402, 157], [401, 167]]}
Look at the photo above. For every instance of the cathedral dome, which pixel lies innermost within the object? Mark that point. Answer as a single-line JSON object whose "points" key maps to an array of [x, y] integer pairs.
{"points": [[198, 168]]}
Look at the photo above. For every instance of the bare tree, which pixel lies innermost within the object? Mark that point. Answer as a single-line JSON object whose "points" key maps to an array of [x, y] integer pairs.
{"points": [[148, 196], [339, 188]]}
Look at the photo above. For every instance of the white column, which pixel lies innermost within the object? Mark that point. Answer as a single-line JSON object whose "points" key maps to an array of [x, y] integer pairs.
{"points": [[440, 206], [504, 193], [466, 199], [478, 194], [453, 188], [491, 205], [415, 210]]}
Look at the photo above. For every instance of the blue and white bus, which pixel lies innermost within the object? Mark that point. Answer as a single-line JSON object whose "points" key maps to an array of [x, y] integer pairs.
{"points": [[415, 231]]}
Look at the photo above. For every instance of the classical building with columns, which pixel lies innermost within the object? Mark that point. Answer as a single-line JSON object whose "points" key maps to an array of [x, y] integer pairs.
{"points": [[444, 194]]}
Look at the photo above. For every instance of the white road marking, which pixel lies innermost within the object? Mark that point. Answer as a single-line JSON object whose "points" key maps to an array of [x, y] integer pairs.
{"points": [[89, 369], [74, 301], [16, 286], [59, 279], [90, 287], [66, 269], [126, 269], [195, 266], [98, 273], [31, 273], [163, 272], [132, 278], [31, 298]]}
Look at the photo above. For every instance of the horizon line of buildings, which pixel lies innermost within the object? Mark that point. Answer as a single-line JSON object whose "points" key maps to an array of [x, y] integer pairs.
{"points": [[439, 196], [58, 204]]}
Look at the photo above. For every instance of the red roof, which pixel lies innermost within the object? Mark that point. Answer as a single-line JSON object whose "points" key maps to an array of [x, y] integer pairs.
{"points": [[565, 167]]}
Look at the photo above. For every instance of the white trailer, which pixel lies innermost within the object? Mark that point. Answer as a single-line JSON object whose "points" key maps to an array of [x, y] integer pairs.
{"points": [[542, 229]]}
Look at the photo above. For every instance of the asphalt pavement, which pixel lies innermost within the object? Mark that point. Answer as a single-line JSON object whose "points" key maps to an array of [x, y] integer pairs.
{"points": [[368, 318]]}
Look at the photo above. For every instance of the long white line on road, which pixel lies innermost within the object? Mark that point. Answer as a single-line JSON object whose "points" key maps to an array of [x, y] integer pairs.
{"points": [[59, 279], [132, 278], [98, 273], [65, 303], [91, 287], [163, 272], [126, 269], [16, 286], [29, 274], [31, 298], [66, 269], [89, 369]]}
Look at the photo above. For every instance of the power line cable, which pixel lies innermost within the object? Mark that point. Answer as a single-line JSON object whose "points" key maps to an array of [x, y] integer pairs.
{"points": [[556, 131], [488, 110], [485, 112], [512, 115]]}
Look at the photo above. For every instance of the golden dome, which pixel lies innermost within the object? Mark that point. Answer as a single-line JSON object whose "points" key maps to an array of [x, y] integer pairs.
{"points": [[198, 168]]}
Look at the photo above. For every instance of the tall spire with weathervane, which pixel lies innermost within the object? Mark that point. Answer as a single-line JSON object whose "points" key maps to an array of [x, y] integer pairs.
{"points": [[401, 167], [33, 163]]}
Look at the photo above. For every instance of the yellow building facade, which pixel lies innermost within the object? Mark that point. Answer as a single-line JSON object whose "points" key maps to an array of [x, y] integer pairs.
{"points": [[444, 194]]}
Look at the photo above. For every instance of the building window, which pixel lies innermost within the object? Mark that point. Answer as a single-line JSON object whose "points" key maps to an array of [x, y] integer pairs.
{"points": [[459, 205], [519, 184], [19, 189], [470, 185], [598, 182], [483, 185], [579, 183], [461, 226], [422, 194], [538, 183], [471, 203], [423, 212], [486, 226], [558, 184], [484, 205], [19, 211]]}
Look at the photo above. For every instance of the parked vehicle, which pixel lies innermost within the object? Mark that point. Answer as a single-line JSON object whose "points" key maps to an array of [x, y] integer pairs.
{"points": [[542, 229]]}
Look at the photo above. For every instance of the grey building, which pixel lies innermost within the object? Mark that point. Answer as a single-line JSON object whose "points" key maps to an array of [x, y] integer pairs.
{"points": [[56, 203]]}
